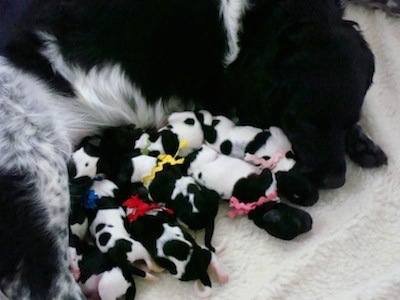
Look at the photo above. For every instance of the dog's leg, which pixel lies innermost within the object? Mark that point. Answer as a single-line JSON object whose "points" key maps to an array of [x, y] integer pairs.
{"points": [[34, 222], [34, 196], [362, 150]]}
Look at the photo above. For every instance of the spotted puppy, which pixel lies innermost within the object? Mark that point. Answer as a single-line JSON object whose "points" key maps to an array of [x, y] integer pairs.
{"points": [[153, 143], [82, 169], [267, 148], [183, 127], [187, 127], [176, 251], [106, 219], [194, 205], [249, 190], [100, 278]]}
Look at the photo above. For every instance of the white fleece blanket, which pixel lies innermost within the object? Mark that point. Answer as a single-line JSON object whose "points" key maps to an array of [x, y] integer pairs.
{"points": [[353, 250]]}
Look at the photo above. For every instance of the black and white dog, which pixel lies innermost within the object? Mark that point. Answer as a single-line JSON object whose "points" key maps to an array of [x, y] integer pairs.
{"points": [[74, 67]]}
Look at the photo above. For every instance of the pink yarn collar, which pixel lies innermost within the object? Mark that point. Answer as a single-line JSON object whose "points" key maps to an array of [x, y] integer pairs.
{"points": [[240, 208], [265, 163]]}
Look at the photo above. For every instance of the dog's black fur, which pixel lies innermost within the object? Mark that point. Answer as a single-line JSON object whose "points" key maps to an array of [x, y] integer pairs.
{"points": [[305, 69], [300, 67]]}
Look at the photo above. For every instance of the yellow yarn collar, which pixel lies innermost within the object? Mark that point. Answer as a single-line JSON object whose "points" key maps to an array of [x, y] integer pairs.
{"points": [[166, 159]]}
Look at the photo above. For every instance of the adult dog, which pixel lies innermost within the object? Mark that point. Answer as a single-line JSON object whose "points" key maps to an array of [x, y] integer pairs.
{"points": [[74, 67]]}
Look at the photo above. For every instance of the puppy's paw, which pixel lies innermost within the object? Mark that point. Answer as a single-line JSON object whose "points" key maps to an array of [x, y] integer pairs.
{"points": [[362, 150]]}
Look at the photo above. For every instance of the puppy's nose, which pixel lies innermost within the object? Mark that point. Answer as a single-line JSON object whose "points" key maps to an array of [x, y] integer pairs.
{"points": [[333, 181]]}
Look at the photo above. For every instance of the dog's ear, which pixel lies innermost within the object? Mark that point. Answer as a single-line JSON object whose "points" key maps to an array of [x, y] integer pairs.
{"points": [[91, 145]]}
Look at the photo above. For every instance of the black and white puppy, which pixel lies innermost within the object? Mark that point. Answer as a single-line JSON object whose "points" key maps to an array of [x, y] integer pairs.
{"points": [[107, 226], [100, 278], [250, 191], [269, 148], [74, 67], [175, 250], [82, 169], [195, 206]]}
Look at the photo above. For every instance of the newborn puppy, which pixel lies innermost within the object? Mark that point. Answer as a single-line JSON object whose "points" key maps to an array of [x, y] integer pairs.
{"points": [[157, 142], [106, 219], [82, 168], [281, 220], [176, 251], [248, 188], [194, 205], [100, 278], [222, 173], [267, 148], [188, 128]]}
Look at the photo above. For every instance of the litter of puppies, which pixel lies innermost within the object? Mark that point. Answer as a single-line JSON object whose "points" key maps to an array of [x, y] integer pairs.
{"points": [[134, 193]]}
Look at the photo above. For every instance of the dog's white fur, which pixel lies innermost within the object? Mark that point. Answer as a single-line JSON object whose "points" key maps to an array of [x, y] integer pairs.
{"points": [[36, 133], [232, 12]]}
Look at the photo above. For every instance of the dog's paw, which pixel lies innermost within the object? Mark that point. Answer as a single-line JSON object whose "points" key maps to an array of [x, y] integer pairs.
{"points": [[362, 150], [281, 220]]}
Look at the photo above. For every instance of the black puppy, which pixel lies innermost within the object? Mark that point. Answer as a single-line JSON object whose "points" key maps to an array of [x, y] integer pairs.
{"points": [[281, 220]]}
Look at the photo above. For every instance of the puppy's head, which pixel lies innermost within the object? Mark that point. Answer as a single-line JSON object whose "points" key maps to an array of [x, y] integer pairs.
{"points": [[84, 161], [296, 188], [188, 128], [197, 269], [280, 220]]}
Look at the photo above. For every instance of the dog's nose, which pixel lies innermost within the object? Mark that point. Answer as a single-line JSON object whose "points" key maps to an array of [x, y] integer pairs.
{"points": [[333, 181]]}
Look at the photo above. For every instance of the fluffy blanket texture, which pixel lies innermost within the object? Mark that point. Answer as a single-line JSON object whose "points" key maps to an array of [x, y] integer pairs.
{"points": [[352, 250]]}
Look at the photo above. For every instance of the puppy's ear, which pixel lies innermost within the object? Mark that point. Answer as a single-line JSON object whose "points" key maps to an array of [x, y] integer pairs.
{"points": [[199, 116], [91, 145]]}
